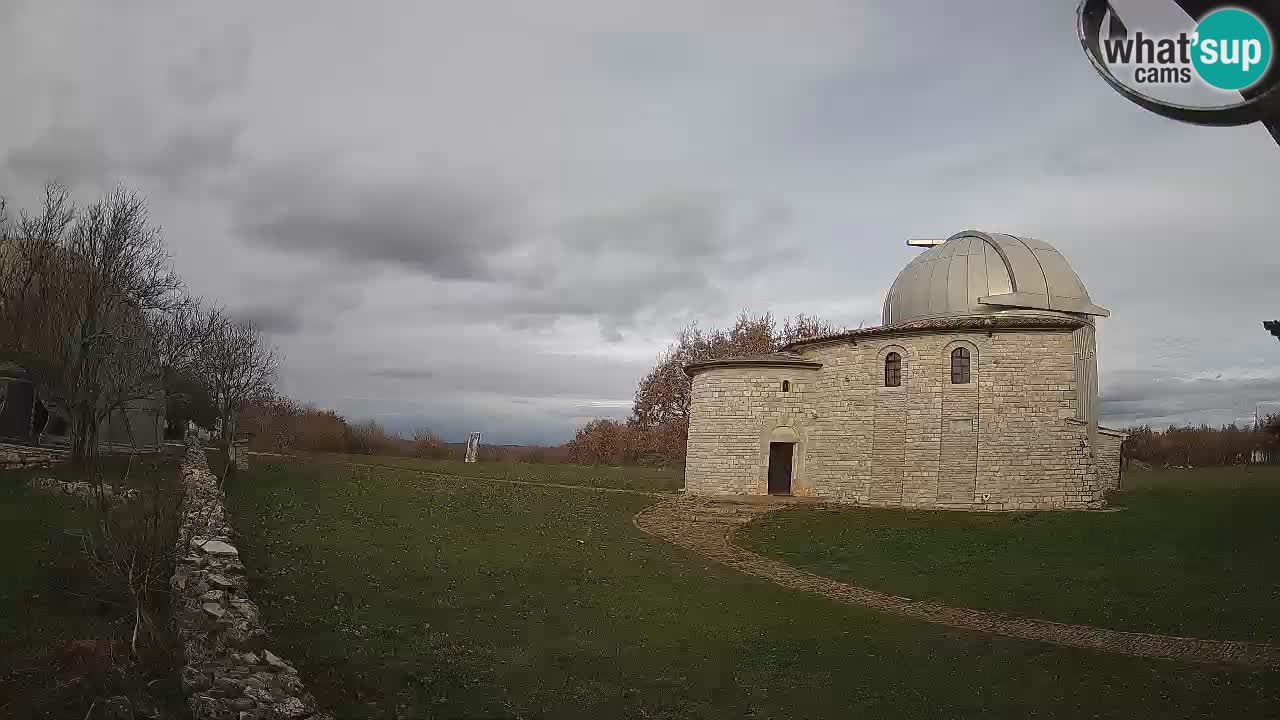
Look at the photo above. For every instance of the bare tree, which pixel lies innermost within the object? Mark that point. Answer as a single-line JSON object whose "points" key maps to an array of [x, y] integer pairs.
{"points": [[425, 441], [90, 304], [79, 293], [28, 250], [182, 336], [239, 366]]}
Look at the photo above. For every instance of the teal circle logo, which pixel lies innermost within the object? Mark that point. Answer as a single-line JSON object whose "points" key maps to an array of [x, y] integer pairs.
{"points": [[1232, 49]]}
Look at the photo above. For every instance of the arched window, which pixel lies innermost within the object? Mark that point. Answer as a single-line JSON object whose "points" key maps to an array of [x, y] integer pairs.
{"points": [[786, 386], [960, 366], [892, 370]]}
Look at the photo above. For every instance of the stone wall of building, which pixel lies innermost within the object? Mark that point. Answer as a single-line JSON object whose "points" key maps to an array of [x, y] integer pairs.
{"points": [[230, 674], [1001, 442], [736, 411], [1109, 458]]}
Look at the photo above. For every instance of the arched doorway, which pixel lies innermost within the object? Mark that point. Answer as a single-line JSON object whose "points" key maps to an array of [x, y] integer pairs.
{"points": [[782, 451]]}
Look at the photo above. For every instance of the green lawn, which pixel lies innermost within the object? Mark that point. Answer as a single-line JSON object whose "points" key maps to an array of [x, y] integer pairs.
{"points": [[628, 477], [404, 595], [1193, 552], [31, 526], [47, 594]]}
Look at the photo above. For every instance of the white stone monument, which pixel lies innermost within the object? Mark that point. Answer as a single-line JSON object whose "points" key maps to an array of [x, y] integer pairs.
{"points": [[473, 446]]}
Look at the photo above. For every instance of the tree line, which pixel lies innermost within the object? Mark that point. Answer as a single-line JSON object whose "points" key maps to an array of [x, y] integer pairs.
{"points": [[92, 308], [279, 424], [1194, 445]]}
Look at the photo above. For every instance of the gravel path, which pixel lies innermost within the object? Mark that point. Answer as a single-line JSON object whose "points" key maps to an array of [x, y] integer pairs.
{"points": [[708, 526]]}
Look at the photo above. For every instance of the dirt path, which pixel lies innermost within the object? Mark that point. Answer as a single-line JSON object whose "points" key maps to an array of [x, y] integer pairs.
{"points": [[707, 527]]}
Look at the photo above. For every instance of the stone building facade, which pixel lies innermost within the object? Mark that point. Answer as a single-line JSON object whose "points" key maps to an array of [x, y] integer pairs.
{"points": [[25, 417], [979, 392]]}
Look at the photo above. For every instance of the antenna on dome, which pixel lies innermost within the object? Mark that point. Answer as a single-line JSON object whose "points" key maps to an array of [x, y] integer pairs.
{"points": [[925, 242]]}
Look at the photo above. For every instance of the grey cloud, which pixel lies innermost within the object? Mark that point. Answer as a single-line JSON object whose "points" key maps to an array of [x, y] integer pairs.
{"points": [[1164, 397], [217, 68], [610, 331], [671, 252], [64, 154], [444, 228], [79, 156], [518, 372], [691, 227], [274, 319], [404, 373], [511, 395], [291, 296], [192, 152]]}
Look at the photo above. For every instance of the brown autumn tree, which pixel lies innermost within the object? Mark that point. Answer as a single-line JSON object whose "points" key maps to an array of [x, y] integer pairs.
{"points": [[239, 366], [600, 442], [663, 396], [658, 430], [425, 441]]}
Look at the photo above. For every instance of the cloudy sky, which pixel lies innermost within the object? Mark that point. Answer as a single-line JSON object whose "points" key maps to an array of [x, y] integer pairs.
{"points": [[492, 216]]}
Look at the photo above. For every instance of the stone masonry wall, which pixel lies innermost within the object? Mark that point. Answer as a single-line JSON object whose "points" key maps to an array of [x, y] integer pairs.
{"points": [[736, 410], [1001, 442], [230, 674], [1109, 458], [16, 457]]}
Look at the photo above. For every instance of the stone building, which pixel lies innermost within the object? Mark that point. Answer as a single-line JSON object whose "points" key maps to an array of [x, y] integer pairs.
{"points": [[978, 392], [28, 414]]}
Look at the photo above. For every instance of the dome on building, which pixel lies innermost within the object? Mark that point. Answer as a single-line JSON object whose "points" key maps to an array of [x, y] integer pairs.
{"points": [[979, 273]]}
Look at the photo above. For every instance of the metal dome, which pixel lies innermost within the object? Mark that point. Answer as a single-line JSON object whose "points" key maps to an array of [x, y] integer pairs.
{"points": [[979, 273]]}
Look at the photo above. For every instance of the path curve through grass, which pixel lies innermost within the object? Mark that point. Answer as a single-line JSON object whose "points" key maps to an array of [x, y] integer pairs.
{"points": [[708, 526]]}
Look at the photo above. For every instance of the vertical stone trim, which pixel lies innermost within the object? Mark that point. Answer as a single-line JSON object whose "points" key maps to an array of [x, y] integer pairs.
{"points": [[923, 429], [1084, 349], [958, 449], [889, 430]]}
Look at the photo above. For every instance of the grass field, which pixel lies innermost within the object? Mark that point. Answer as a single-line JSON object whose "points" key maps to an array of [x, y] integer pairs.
{"points": [[629, 477], [47, 595], [403, 595], [1193, 552]]}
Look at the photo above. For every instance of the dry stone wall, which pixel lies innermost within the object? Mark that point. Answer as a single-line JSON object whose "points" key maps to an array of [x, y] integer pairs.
{"points": [[16, 457], [1005, 441], [82, 489], [230, 673]]}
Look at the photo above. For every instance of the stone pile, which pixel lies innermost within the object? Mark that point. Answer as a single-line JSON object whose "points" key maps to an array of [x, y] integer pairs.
{"points": [[82, 489], [230, 674], [18, 457]]}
